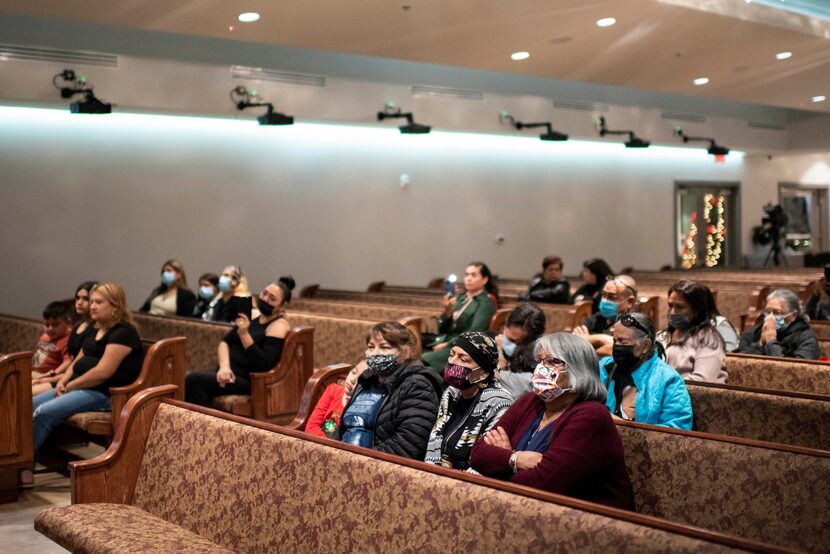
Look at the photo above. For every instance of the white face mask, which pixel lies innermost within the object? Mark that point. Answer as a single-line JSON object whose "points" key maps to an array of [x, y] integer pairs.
{"points": [[544, 383]]}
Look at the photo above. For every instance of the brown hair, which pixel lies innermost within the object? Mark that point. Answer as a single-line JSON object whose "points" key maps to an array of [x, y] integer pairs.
{"points": [[117, 298], [398, 336], [550, 260]]}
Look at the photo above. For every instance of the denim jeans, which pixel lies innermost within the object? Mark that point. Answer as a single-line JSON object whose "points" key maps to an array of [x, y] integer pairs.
{"points": [[48, 410]]}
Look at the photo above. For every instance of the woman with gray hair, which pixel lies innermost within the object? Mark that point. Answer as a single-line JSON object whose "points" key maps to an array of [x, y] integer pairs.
{"points": [[784, 332], [560, 438]]}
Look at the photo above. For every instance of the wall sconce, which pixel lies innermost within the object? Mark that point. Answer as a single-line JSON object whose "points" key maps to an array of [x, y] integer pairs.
{"points": [[411, 128], [89, 104], [633, 140], [718, 151], [244, 98], [551, 135]]}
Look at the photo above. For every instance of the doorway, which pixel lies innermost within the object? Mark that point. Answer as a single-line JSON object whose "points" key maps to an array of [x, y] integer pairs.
{"points": [[806, 209], [707, 225]]}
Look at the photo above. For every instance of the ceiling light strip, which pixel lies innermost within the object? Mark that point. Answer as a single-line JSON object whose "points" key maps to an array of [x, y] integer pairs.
{"points": [[52, 55], [429, 91], [276, 76]]}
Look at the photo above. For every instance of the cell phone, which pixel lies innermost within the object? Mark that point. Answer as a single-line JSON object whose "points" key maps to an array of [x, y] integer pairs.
{"points": [[827, 273], [240, 305], [449, 285]]}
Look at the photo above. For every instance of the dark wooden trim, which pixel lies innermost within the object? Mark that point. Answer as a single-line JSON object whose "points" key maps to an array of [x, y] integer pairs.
{"points": [[776, 359], [788, 394], [726, 438], [599, 509]]}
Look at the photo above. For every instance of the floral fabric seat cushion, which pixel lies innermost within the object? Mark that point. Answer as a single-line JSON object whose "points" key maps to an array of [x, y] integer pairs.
{"points": [[115, 528]]}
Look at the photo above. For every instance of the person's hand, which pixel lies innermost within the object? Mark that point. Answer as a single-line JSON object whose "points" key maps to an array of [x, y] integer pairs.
{"points": [[581, 331], [768, 331], [498, 437], [225, 376], [242, 324], [449, 303], [528, 459], [440, 346], [60, 389]]}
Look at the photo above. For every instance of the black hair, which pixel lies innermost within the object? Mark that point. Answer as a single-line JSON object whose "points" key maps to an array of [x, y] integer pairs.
{"points": [[60, 309], [702, 302], [529, 316], [86, 285], [600, 268], [490, 285], [211, 278], [286, 285]]}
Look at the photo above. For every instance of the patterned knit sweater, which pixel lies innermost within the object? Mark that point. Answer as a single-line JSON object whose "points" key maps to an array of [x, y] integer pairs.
{"points": [[492, 403]]}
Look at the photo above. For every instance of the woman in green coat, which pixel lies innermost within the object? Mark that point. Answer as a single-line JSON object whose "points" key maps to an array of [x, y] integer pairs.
{"points": [[469, 311]]}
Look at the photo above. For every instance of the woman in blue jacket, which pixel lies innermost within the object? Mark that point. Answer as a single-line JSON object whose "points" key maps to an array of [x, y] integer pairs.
{"points": [[641, 386]]}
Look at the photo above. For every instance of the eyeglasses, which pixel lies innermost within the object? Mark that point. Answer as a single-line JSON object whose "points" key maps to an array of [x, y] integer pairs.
{"points": [[629, 320], [771, 311], [552, 363]]}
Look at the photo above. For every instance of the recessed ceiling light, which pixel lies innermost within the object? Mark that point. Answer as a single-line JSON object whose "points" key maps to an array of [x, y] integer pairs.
{"points": [[700, 81], [783, 55], [606, 21], [821, 98], [248, 17], [519, 56]]}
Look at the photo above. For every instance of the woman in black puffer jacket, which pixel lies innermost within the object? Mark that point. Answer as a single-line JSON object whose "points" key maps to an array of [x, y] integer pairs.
{"points": [[784, 332], [395, 403]]}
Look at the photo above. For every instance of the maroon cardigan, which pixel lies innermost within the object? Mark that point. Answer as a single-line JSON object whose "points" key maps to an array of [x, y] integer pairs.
{"points": [[584, 460]]}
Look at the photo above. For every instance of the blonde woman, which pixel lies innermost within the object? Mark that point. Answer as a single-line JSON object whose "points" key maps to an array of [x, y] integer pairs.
{"points": [[171, 297], [232, 283], [111, 356]]}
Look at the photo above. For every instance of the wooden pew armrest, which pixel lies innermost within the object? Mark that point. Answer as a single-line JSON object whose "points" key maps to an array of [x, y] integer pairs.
{"points": [[111, 477], [320, 379]]}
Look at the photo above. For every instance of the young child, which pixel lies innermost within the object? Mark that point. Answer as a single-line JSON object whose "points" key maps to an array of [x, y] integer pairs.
{"points": [[51, 351]]}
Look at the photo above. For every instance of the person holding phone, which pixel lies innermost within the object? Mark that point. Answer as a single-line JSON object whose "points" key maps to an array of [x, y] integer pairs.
{"points": [[469, 311], [254, 344]]}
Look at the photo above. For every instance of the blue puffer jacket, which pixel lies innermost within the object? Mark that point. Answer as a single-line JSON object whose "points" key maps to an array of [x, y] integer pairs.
{"points": [[662, 398]]}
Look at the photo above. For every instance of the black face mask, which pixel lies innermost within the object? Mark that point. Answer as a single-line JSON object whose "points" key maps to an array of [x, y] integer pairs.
{"points": [[624, 357], [264, 307]]}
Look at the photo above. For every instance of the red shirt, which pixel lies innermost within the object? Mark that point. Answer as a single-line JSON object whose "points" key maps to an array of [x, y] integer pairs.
{"points": [[330, 406], [50, 355], [584, 460]]}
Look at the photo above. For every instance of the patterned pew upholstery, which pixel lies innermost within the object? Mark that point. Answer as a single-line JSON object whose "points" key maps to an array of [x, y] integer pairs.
{"points": [[778, 495], [202, 337], [772, 416], [371, 503], [18, 334], [365, 310], [785, 374]]}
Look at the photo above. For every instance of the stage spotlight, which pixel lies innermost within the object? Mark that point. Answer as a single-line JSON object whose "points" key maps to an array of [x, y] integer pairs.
{"points": [[243, 98], [89, 104], [633, 140], [411, 128], [714, 148], [551, 135]]}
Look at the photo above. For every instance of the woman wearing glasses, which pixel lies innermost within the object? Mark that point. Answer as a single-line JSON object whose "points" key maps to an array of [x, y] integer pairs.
{"points": [[784, 332], [692, 343], [642, 387], [560, 438]]}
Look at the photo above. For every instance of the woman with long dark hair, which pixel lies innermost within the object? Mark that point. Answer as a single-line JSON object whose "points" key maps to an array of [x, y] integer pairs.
{"points": [[594, 274], [693, 346]]}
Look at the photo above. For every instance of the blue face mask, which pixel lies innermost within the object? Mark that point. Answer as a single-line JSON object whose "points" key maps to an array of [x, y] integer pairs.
{"points": [[780, 324], [607, 309], [206, 292], [508, 347], [168, 277], [225, 283]]}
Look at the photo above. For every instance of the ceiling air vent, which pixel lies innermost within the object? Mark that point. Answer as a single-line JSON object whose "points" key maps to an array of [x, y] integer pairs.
{"points": [[273, 75], [680, 116], [68, 57], [766, 125], [580, 106], [427, 91]]}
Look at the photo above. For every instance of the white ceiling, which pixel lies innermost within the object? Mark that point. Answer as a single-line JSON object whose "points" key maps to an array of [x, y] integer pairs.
{"points": [[658, 45]]}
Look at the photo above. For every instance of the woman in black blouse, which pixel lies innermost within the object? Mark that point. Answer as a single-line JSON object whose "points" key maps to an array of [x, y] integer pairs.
{"points": [[111, 356], [251, 346]]}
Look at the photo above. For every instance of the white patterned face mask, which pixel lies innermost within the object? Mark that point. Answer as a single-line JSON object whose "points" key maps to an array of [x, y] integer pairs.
{"points": [[544, 382]]}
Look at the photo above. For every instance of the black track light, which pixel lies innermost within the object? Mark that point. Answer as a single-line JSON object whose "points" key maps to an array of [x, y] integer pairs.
{"points": [[633, 140], [90, 104], [411, 128], [551, 135], [714, 148], [244, 98]]}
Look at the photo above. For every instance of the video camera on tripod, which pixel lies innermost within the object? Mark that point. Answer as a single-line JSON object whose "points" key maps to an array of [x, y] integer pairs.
{"points": [[771, 231]]}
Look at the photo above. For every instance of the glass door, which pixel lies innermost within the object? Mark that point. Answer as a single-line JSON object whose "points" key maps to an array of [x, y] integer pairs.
{"points": [[806, 209], [706, 230]]}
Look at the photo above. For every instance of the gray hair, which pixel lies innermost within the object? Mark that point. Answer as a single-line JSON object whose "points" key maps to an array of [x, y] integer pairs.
{"points": [[790, 300], [581, 360]]}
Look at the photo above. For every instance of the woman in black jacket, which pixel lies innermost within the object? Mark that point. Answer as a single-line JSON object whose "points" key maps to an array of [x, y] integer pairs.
{"points": [[395, 403], [549, 286], [171, 297], [594, 272], [784, 333]]}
